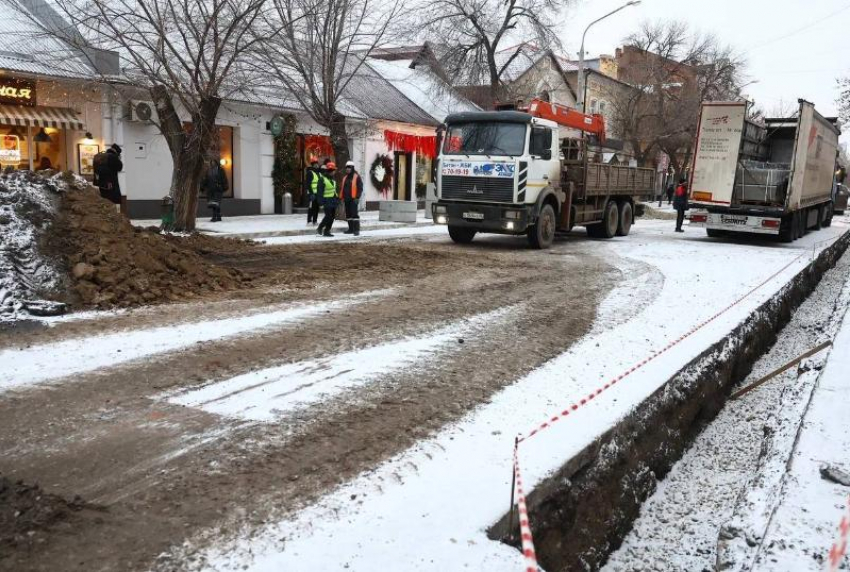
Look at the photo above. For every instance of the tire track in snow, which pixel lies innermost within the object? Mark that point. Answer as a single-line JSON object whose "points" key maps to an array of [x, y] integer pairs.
{"points": [[267, 394], [87, 354]]}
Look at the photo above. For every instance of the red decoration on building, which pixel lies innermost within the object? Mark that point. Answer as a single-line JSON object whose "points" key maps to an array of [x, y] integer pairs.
{"points": [[318, 146], [421, 145]]}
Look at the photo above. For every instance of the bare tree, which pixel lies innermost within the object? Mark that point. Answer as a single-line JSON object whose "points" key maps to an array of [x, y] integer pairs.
{"points": [[673, 70], [844, 98], [188, 54], [321, 48], [480, 39]]}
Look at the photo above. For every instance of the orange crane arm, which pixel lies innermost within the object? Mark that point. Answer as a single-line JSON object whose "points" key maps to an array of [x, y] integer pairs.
{"points": [[563, 115]]}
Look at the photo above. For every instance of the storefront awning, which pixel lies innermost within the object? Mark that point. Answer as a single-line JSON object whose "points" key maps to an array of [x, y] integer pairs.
{"points": [[58, 117]]}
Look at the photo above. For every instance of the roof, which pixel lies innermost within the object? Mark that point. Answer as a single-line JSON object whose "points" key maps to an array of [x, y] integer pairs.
{"points": [[503, 116], [423, 88], [25, 47], [377, 98], [526, 57]]}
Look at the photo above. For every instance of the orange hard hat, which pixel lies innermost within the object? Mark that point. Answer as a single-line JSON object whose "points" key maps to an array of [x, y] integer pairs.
{"points": [[331, 166]]}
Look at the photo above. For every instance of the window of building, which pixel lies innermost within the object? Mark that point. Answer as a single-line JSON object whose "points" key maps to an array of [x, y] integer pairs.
{"points": [[222, 147], [602, 107], [594, 105]]}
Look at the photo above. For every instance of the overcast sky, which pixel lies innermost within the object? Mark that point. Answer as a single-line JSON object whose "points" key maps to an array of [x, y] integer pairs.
{"points": [[794, 48]]}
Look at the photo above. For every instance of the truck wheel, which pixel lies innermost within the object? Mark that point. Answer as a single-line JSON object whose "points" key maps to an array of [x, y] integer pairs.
{"points": [[787, 228], [610, 220], [625, 223], [462, 235], [542, 234]]}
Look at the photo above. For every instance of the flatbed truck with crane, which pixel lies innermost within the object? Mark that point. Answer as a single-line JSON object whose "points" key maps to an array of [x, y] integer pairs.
{"points": [[510, 172]]}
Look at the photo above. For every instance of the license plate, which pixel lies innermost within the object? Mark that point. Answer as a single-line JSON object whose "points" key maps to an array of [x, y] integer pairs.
{"points": [[476, 216]]}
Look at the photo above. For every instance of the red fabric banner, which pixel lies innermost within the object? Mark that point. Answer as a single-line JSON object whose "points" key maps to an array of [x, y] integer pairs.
{"points": [[422, 145]]}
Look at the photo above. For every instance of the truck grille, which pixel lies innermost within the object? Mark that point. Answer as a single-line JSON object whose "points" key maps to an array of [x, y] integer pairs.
{"points": [[499, 189]]}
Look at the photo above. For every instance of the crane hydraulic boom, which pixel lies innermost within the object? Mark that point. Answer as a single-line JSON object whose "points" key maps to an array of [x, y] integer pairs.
{"points": [[568, 117]]}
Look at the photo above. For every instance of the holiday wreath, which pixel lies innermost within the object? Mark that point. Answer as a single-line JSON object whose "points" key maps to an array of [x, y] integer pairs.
{"points": [[381, 173]]}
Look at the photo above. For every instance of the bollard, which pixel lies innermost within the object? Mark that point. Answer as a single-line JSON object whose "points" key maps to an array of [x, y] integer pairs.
{"points": [[287, 203], [167, 212]]}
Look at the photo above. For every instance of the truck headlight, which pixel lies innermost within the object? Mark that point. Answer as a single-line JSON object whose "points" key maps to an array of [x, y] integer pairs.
{"points": [[440, 209], [509, 225], [441, 219], [515, 215]]}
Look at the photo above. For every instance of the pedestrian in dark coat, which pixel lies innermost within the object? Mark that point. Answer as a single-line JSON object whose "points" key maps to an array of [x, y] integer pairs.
{"points": [[352, 190], [107, 165], [311, 189], [214, 185], [680, 203], [329, 198]]}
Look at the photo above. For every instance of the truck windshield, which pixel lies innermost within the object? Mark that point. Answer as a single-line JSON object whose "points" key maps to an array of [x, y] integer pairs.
{"points": [[485, 138]]}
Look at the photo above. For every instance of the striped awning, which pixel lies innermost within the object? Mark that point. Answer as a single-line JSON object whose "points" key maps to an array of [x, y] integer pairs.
{"points": [[59, 117]]}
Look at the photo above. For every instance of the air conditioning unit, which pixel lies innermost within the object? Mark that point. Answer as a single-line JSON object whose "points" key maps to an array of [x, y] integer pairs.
{"points": [[142, 111]]}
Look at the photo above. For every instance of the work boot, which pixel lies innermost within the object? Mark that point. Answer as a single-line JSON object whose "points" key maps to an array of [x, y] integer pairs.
{"points": [[350, 227], [328, 234], [319, 231], [357, 227]]}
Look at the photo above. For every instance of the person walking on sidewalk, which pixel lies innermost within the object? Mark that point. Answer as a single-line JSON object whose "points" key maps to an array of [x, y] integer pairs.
{"points": [[214, 185], [311, 189], [107, 165], [352, 190], [329, 197], [680, 202]]}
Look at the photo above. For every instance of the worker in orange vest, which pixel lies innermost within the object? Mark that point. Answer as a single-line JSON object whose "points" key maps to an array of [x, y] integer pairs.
{"points": [[351, 191]]}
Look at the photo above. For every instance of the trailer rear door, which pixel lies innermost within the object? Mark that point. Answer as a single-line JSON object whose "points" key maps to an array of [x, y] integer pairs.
{"points": [[815, 150], [721, 127]]}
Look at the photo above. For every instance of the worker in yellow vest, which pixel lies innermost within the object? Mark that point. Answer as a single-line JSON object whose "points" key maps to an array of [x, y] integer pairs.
{"points": [[352, 190], [329, 198]]}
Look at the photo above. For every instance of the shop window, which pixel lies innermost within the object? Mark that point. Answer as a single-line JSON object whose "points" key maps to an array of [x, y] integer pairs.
{"points": [[49, 149], [14, 150], [221, 147], [423, 174]]}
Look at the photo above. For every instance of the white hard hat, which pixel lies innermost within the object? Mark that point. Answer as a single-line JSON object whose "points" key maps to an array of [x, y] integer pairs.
{"points": [[349, 164]]}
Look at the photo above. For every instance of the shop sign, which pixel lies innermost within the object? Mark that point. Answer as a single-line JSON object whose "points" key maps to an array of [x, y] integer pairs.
{"points": [[17, 91], [10, 149]]}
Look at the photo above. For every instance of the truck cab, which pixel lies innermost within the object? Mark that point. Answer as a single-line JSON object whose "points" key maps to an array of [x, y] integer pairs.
{"points": [[495, 172]]}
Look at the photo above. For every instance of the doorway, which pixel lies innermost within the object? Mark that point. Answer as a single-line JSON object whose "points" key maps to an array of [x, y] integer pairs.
{"points": [[403, 174]]}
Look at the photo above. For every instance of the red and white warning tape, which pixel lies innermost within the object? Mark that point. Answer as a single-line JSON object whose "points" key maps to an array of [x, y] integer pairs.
{"points": [[525, 529], [839, 547]]}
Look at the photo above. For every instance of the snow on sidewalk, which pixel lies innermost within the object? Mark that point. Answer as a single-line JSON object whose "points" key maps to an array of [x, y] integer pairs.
{"points": [[801, 531], [259, 226], [429, 507], [37, 364], [267, 394]]}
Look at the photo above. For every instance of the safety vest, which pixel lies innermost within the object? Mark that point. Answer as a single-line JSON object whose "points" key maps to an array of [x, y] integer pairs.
{"points": [[314, 182], [330, 188], [354, 179]]}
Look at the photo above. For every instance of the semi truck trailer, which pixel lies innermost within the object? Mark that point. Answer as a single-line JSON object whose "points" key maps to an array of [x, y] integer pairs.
{"points": [[771, 178], [510, 172]]}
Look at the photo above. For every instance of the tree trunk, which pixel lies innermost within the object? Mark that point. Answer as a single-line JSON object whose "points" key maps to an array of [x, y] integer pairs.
{"points": [[188, 152], [339, 141]]}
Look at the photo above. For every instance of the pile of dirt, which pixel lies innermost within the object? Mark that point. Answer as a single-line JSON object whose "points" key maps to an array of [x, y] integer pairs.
{"points": [[27, 513], [113, 264]]}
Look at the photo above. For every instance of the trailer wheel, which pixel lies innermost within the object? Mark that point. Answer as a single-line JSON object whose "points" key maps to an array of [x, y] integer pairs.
{"points": [[787, 228], [626, 219], [542, 234], [461, 235]]}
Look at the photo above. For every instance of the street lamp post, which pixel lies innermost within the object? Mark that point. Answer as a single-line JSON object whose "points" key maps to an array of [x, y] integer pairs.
{"points": [[580, 94]]}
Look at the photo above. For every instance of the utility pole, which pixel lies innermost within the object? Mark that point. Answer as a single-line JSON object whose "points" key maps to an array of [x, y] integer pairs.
{"points": [[581, 87]]}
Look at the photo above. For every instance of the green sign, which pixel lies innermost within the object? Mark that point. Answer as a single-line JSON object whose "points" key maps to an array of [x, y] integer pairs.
{"points": [[277, 125]]}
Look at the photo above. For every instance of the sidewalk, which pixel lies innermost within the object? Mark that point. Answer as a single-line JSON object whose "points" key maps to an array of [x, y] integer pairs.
{"points": [[266, 226]]}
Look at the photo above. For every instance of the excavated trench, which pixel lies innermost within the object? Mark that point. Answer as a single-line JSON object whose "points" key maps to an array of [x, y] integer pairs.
{"points": [[582, 513]]}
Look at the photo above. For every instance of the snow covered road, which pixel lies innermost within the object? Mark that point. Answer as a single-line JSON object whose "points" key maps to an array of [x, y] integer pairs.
{"points": [[429, 508]]}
